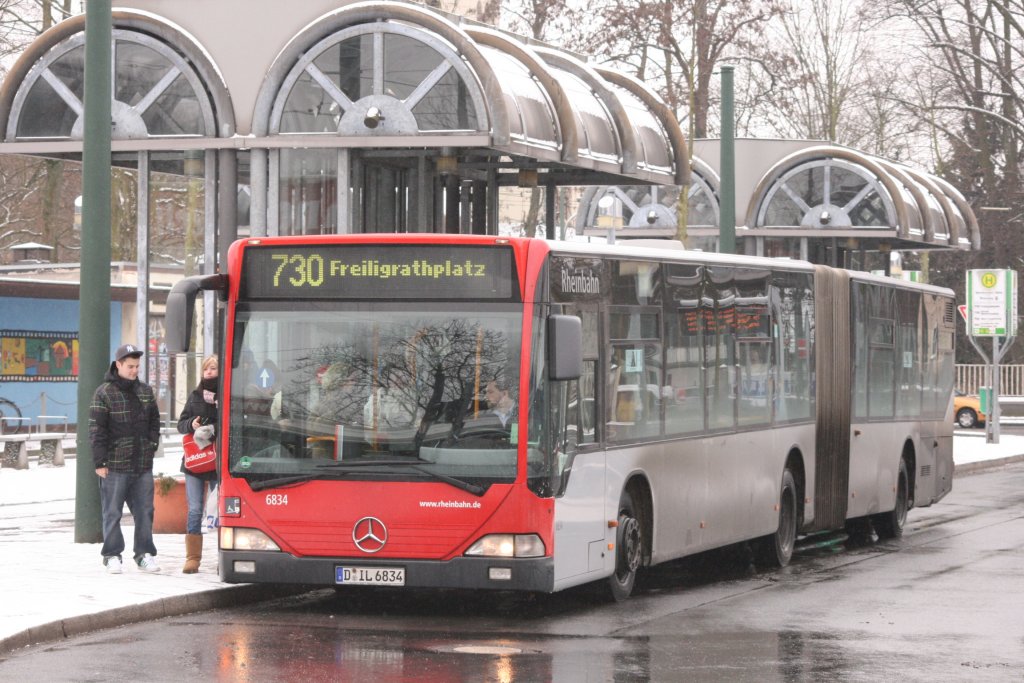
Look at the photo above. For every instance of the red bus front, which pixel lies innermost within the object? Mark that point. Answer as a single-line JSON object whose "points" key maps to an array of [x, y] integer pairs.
{"points": [[376, 428]]}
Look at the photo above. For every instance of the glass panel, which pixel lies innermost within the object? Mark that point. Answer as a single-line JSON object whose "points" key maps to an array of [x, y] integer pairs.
{"points": [[406, 63], [783, 211], [349, 64], [909, 378], [634, 385], [754, 347], [70, 69], [845, 185], [782, 247], [881, 352], [755, 382], [45, 114], [655, 146], [175, 112], [548, 451], [702, 205], [720, 363], [309, 109], [684, 400], [537, 114], [308, 192], [794, 331], [447, 106], [526, 97], [870, 211], [596, 127], [634, 325], [809, 185], [177, 219], [321, 385], [587, 397], [515, 120], [860, 349], [138, 68], [636, 283]]}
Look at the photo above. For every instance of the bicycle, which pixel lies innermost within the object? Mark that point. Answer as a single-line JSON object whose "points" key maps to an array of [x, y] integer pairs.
{"points": [[9, 409]]}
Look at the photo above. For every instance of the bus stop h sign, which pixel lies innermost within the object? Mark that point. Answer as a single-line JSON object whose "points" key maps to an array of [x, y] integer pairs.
{"points": [[992, 303]]}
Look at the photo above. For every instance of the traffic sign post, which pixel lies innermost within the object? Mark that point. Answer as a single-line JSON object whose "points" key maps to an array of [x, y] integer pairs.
{"points": [[991, 311]]}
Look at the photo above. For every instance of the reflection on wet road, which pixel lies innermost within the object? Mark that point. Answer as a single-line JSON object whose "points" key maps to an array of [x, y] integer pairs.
{"points": [[942, 603]]}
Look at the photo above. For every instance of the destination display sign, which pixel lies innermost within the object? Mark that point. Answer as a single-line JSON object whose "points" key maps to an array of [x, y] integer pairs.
{"points": [[379, 271]]}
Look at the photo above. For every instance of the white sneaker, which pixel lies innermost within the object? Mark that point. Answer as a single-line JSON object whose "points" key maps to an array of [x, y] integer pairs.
{"points": [[147, 563], [113, 564]]}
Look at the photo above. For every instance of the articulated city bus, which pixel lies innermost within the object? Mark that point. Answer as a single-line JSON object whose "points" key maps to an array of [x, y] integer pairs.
{"points": [[505, 413]]}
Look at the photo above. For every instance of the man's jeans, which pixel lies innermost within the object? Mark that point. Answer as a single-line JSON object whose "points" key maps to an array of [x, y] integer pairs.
{"points": [[116, 489], [195, 491]]}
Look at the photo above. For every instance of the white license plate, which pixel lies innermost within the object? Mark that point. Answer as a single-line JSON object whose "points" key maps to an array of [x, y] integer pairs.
{"points": [[370, 576]]}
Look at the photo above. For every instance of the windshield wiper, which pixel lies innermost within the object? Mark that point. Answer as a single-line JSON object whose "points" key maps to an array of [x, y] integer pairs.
{"points": [[413, 465], [282, 481]]}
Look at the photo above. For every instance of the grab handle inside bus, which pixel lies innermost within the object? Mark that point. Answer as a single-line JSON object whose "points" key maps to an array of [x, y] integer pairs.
{"points": [[565, 347], [181, 304]]}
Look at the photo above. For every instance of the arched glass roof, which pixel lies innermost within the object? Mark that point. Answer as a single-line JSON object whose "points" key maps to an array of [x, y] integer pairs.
{"points": [[825, 193], [156, 92], [651, 210], [838, 192], [466, 82], [416, 80]]}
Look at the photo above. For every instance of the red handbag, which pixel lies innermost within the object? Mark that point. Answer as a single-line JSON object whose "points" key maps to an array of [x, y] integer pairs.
{"points": [[198, 460]]}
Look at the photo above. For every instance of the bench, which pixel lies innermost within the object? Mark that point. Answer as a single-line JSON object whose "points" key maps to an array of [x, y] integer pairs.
{"points": [[51, 443], [15, 452]]}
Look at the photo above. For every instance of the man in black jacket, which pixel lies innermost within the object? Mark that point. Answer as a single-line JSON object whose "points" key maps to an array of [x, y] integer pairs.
{"points": [[124, 432]]}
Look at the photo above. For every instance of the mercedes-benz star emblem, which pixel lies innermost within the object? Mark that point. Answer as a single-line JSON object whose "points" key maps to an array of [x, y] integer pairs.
{"points": [[369, 534]]}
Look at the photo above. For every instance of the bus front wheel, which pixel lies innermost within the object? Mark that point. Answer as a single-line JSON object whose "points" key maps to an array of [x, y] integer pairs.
{"points": [[890, 524], [628, 550], [776, 550]]}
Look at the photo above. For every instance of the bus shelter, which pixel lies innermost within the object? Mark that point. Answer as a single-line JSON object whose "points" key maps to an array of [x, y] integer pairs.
{"points": [[255, 117], [801, 199]]}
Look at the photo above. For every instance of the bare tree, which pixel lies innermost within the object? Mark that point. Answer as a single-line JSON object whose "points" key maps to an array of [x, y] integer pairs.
{"points": [[677, 45], [22, 20]]}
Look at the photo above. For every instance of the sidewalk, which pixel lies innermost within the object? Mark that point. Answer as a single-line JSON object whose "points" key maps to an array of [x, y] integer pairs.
{"points": [[54, 588]]}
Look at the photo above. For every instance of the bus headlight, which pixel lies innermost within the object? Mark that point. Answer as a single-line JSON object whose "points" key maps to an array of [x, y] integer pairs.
{"points": [[508, 545], [242, 538]]}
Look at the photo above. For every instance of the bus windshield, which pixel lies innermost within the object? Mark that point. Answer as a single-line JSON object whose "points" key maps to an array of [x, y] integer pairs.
{"points": [[370, 391]]}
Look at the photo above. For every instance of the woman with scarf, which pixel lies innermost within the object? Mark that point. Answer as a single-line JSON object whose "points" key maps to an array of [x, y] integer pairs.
{"points": [[200, 410]]}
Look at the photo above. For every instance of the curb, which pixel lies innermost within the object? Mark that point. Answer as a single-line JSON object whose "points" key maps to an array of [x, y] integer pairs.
{"points": [[981, 465], [171, 606]]}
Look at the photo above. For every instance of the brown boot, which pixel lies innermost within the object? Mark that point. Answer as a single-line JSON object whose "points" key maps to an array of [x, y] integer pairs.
{"points": [[193, 553]]}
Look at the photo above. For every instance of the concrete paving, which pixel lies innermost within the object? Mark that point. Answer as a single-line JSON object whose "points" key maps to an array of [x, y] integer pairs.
{"points": [[53, 588]]}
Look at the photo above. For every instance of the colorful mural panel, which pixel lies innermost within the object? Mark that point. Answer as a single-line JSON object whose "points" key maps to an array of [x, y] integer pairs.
{"points": [[38, 356]]}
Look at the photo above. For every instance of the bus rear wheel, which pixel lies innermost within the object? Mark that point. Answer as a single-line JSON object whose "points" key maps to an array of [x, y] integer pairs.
{"points": [[628, 550], [890, 524], [776, 550]]}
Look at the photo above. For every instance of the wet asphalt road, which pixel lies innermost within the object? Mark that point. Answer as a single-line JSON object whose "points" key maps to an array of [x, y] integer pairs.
{"points": [[944, 603]]}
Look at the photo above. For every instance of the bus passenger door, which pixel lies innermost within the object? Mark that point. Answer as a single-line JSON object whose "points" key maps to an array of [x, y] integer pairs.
{"points": [[580, 523]]}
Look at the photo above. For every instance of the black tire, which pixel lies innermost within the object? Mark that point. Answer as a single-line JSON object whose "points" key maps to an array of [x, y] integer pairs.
{"points": [[967, 418], [9, 409], [890, 524], [628, 550], [776, 550]]}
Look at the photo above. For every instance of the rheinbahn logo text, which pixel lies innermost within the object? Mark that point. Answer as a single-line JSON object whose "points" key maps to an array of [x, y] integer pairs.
{"points": [[580, 283]]}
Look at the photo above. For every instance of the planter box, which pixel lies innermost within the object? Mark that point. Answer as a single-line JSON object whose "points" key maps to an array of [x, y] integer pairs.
{"points": [[170, 509]]}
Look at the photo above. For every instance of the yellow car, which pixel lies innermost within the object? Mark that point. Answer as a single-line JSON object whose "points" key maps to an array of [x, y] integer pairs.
{"points": [[967, 410]]}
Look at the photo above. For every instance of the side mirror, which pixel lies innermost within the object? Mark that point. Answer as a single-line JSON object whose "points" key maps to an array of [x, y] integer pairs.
{"points": [[565, 347], [181, 303]]}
